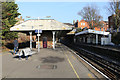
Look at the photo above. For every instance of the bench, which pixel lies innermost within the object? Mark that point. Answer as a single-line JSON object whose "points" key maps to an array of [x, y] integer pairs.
{"points": [[25, 52]]}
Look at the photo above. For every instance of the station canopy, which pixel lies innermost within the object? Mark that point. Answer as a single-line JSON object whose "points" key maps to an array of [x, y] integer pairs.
{"points": [[41, 24], [90, 31]]}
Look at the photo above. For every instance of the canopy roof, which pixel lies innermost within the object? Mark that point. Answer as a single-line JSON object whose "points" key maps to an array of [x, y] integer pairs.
{"points": [[42, 24], [93, 32], [72, 32]]}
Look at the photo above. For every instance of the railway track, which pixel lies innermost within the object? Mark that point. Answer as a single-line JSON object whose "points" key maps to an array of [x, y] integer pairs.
{"points": [[110, 69]]}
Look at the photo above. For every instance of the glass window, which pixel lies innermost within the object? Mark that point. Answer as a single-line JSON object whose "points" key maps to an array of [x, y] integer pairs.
{"points": [[111, 20], [111, 26], [83, 23]]}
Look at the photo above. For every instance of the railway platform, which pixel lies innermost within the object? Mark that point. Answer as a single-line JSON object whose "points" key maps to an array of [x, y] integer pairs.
{"points": [[48, 63]]}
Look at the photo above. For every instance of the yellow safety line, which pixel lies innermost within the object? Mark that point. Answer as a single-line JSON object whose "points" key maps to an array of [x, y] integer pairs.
{"points": [[72, 66]]}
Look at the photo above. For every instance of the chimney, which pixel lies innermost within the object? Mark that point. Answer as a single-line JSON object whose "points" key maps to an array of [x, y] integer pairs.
{"points": [[20, 17], [77, 21], [73, 21]]}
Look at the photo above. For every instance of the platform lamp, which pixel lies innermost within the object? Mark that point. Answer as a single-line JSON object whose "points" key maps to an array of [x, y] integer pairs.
{"points": [[39, 31], [30, 36]]}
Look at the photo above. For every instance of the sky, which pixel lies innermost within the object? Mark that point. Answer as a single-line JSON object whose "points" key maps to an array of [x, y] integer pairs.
{"points": [[64, 12]]}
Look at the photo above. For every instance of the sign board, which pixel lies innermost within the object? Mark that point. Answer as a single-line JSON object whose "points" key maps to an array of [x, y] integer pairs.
{"points": [[37, 44], [36, 31], [38, 35]]}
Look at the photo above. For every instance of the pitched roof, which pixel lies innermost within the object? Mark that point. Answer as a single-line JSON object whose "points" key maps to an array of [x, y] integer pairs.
{"points": [[69, 24], [43, 24], [82, 20], [89, 31]]}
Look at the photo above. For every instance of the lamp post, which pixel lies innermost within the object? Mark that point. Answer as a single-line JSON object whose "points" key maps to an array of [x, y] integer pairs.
{"points": [[38, 41], [30, 40], [30, 36], [53, 39], [39, 31]]}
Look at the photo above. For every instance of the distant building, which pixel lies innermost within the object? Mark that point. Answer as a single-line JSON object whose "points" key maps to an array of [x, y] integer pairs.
{"points": [[105, 26], [111, 23], [84, 24], [81, 24]]}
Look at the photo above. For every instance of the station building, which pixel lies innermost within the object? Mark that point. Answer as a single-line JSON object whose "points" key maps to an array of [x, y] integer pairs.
{"points": [[93, 37], [49, 29]]}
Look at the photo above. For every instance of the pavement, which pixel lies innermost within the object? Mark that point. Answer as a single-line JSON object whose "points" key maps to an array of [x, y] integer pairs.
{"points": [[48, 63]]}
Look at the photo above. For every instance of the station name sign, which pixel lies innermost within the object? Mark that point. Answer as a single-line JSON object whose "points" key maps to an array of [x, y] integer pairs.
{"points": [[36, 31]]}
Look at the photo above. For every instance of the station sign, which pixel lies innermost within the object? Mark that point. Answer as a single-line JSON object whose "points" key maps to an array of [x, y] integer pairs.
{"points": [[38, 34], [36, 31]]}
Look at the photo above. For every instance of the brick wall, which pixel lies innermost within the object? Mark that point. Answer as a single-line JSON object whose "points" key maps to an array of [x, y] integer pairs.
{"points": [[82, 24]]}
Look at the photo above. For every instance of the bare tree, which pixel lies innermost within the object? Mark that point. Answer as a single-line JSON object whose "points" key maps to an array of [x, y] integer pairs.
{"points": [[114, 9], [91, 15]]}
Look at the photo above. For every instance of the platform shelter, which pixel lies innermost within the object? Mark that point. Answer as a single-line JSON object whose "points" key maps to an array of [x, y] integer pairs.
{"points": [[48, 29], [93, 37]]}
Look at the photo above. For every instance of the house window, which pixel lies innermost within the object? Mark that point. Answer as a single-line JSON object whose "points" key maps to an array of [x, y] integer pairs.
{"points": [[111, 20], [83, 23], [111, 26]]}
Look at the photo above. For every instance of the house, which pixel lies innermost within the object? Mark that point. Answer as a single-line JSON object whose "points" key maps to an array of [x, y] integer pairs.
{"points": [[81, 24], [104, 27], [84, 24]]}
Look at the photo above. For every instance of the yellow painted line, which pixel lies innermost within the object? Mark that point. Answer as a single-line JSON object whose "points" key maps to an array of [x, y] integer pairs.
{"points": [[72, 67]]}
